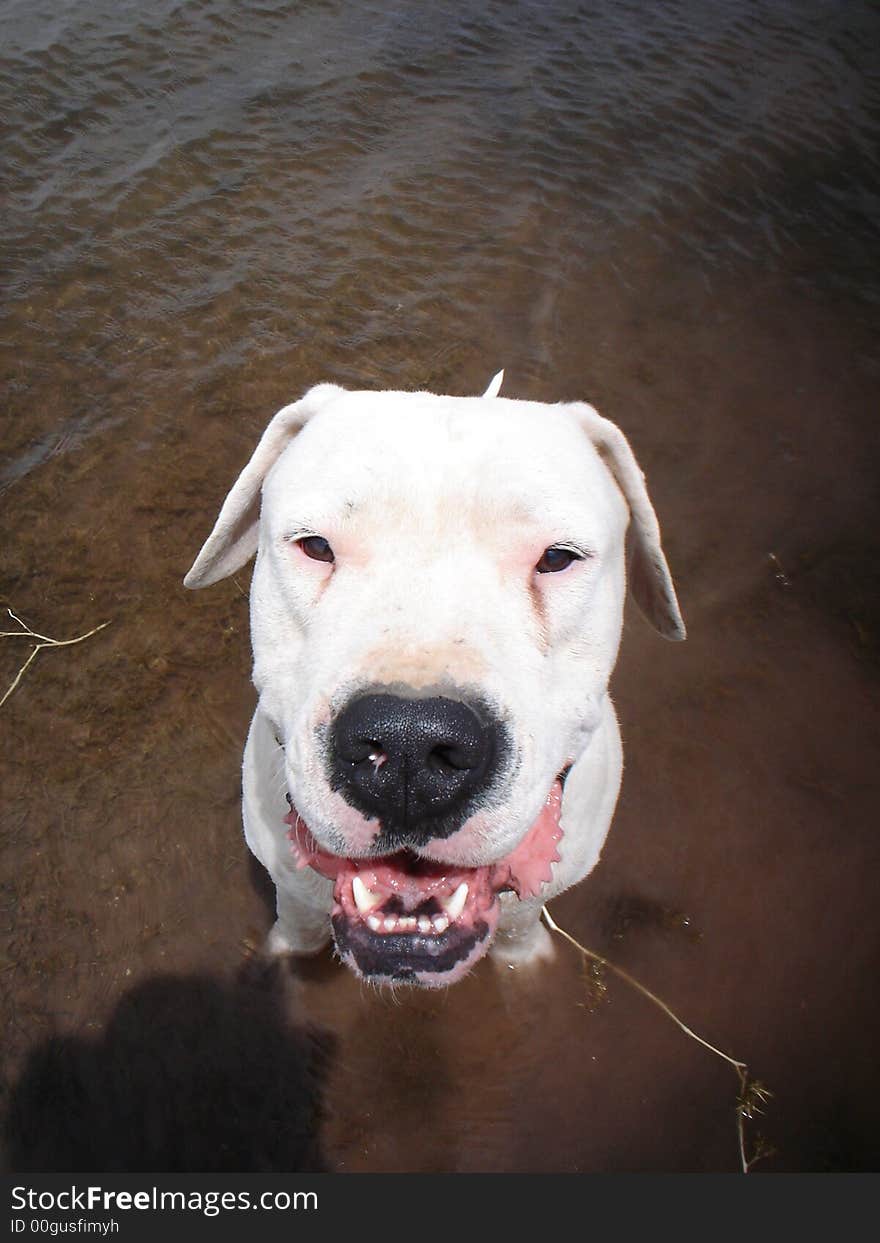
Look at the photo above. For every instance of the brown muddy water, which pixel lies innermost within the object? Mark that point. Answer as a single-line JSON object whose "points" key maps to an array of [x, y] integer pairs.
{"points": [[668, 209]]}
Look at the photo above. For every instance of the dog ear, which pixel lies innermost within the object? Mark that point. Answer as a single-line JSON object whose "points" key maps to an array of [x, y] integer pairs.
{"points": [[649, 578], [233, 540]]}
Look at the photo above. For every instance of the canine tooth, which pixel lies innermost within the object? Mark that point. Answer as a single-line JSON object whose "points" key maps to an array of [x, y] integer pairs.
{"points": [[455, 905], [440, 922], [374, 922], [364, 898]]}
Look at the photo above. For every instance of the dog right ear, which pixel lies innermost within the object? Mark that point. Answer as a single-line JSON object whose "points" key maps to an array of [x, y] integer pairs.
{"points": [[233, 540]]}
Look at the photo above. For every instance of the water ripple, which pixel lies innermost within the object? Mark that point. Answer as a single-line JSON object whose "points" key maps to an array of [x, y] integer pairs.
{"points": [[244, 174]]}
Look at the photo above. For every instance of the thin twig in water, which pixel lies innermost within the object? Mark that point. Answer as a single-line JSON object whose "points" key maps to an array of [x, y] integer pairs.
{"points": [[44, 641], [752, 1093]]}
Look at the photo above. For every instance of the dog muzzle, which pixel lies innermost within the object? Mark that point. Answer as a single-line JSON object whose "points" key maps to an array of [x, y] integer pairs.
{"points": [[404, 918]]}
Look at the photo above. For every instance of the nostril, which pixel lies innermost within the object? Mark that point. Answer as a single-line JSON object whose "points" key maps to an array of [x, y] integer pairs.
{"points": [[356, 750], [449, 758]]}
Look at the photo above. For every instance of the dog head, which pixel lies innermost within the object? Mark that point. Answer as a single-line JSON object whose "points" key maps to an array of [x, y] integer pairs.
{"points": [[436, 610]]}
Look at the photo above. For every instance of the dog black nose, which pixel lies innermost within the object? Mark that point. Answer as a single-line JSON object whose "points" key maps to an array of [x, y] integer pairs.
{"points": [[417, 764]]}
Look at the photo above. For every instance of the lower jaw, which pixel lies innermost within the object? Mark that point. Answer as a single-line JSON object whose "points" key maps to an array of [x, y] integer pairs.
{"points": [[430, 961], [379, 901]]}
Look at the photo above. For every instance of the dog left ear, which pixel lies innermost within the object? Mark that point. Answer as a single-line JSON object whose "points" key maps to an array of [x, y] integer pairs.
{"points": [[649, 578], [233, 540]]}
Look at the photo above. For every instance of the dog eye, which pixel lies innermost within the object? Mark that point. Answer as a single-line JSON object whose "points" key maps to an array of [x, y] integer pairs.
{"points": [[555, 559], [316, 547]]}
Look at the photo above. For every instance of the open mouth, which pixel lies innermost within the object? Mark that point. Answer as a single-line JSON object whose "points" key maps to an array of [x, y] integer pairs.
{"points": [[408, 919]]}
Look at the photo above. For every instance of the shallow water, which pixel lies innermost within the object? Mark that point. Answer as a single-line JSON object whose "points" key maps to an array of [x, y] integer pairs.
{"points": [[670, 210]]}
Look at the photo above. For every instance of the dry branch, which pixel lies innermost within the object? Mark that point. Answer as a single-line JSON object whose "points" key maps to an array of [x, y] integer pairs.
{"points": [[43, 641], [752, 1093]]}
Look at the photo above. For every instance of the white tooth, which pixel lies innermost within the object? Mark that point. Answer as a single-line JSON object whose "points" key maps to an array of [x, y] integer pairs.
{"points": [[440, 922], [424, 924], [409, 923], [374, 922], [455, 905], [364, 898], [390, 923]]}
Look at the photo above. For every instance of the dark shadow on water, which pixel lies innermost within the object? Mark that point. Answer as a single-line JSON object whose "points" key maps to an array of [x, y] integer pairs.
{"points": [[190, 1074]]}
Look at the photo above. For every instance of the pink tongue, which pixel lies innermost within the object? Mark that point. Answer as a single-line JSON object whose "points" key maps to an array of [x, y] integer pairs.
{"points": [[524, 870]]}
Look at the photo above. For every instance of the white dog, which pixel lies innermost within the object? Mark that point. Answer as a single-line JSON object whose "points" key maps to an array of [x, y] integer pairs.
{"points": [[436, 609]]}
